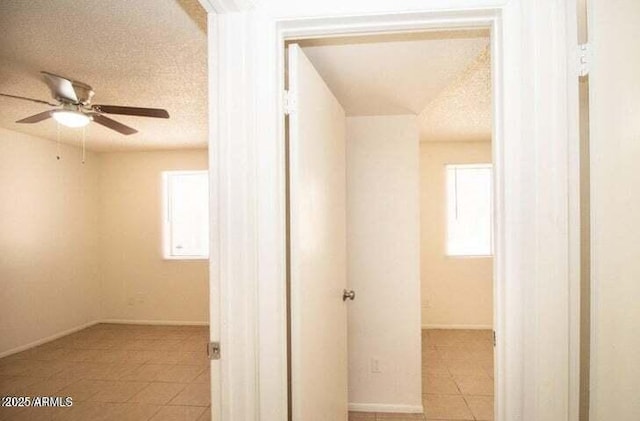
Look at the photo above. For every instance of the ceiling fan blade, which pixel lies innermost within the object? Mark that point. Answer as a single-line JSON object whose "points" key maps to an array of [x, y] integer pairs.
{"points": [[114, 125], [39, 101], [61, 88], [136, 111], [36, 118]]}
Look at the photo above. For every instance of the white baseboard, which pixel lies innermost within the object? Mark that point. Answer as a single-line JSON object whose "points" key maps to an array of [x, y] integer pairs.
{"points": [[47, 339], [155, 322], [465, 327], [384, 407]]}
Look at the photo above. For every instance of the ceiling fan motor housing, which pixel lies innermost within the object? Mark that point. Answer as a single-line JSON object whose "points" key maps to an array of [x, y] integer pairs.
{"points": [[83, 91]]}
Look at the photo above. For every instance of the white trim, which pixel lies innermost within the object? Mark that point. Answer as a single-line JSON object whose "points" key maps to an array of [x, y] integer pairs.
{"points": [[271, 224], [154, 322], [575, 214], [215, 246], [457, 327], [46, 339], [384, 407], [528, 39], [234, 271], [501, 293], [419, 21], [594, 194], [226, 6]]}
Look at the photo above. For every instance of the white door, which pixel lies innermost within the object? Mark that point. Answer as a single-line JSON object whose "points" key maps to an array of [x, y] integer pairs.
{"points": [[317, 174]]}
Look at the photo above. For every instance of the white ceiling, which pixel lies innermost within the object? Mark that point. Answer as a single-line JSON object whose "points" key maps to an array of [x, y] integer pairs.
{"points": [[153, 53], [145, 53], [444, 77], [462, 111]]}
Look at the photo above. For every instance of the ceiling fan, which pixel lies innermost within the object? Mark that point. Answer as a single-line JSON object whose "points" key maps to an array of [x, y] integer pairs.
{"points": [[74, 108]]}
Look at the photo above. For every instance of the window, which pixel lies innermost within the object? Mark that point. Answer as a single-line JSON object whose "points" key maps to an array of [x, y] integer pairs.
{"points": [[469, 210], [186, 214]]}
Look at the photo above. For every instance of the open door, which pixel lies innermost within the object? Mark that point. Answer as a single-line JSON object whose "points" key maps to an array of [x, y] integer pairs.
{"points": [[317, 200]]}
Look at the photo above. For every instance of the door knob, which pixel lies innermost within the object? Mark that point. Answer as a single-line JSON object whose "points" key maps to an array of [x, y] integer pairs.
{"points": [[348, 295]]}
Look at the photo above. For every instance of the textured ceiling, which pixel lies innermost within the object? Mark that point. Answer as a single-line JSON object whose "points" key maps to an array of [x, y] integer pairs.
{"points": [[462, 111], [444, 77], [395, 74], [145, 53]]}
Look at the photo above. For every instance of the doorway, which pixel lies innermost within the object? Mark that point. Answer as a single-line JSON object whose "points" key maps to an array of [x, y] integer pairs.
{"points": [[457, 280], [354, 213], [249, 149]]}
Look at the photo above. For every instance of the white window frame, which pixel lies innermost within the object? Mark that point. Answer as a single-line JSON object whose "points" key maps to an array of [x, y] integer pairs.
{"points": [[447, 253], [166, 217]]}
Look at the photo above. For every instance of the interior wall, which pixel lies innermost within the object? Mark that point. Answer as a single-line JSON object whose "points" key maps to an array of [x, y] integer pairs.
{"points": [[614, 116], [138, 284], [457, 292], [383, 227], [49, 279], [82, 243]]}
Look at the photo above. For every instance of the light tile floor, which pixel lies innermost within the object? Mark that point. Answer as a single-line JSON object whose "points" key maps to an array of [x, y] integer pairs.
{"points": [[457, 378], [114, 372], [132, 372]]}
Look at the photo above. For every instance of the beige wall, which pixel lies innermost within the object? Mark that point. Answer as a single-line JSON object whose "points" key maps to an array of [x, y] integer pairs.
{"points": [[48, 240], [457, 292], [83, 243], [137, 283], [615, 210], [383, 262]]}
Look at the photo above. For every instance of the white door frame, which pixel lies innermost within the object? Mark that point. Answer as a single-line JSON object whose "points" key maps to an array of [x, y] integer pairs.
{"points": [[414, 22], [535, 185], [233, 386]]}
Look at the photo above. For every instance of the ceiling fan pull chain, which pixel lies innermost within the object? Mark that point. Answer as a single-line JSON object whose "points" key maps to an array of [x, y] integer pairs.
{"points": [[58, 141]]}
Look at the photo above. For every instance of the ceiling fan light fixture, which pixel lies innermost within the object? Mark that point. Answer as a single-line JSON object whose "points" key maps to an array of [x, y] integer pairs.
{"points": [[75, 108], [70, 118]]}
